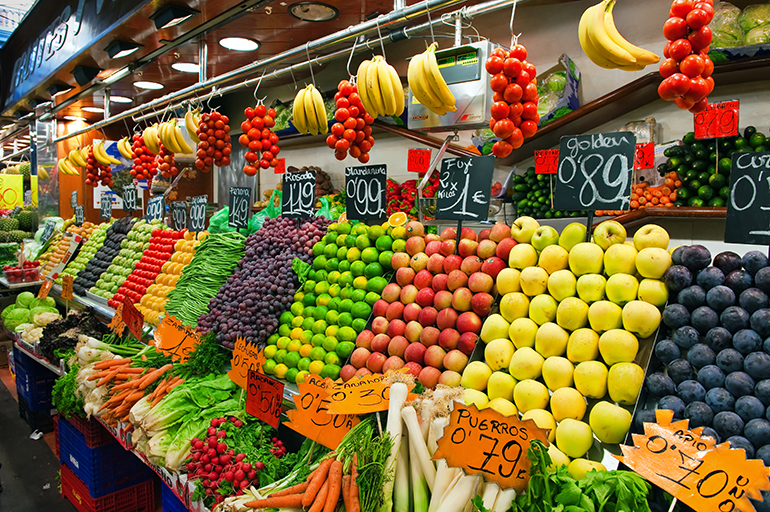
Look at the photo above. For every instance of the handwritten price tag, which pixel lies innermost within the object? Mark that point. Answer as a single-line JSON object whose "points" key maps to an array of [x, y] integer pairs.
{"points": [[644, 158], [245, 357], [44, 289], [66, 287], [718, 120], [176, 339], [264, 398], [490, 444], [117, 325], [311, 417], [132, 318], [546, 161], [281, 167], [693, 468], [360, 396], [418, 160]]}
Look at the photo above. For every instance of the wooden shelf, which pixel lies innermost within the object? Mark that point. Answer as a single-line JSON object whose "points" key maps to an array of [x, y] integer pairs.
{"points": [[658, 212]]}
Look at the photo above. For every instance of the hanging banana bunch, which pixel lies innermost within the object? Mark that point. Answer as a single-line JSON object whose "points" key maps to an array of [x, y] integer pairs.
{"points": [[379, 87], [428, 85], [76, 159], [65, 167], [151, 140], [192, 119], [171, 137], [102, 157], [309, 112], [124, 148]]}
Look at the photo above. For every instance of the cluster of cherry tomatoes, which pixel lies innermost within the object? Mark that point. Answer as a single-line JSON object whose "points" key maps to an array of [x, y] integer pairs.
{"points": [[96, 171], [687, 69], [514, 111], [259, 137], [144, 166], [214, 147], [352, 133], [167, 165]]}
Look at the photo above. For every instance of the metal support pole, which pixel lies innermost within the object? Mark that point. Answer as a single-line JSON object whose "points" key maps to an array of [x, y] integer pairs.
{"points": [[203, 58], [458, 30], [106, 102]]}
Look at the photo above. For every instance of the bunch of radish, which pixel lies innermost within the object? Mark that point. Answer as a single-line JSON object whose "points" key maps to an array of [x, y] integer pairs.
{"points": [[144, 166], [514, 111], [214, 147], [258, 137], [352, 131], [687, 69], [167, 165], [96, 171]]}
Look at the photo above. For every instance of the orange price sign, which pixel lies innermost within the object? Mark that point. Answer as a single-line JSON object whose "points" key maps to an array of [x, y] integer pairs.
{"points": [[694, 469], [44, 289], [245, 357], [281, 167], [644, 156], [66, 287], [264, 398], [175, 339], [718, 120], [487, 443], [360, 396], [546, 161], [311, 417], [132, 318], [418, 160], [117, 325]]}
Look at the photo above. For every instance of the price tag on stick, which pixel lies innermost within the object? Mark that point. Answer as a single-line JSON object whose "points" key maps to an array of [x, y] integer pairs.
{"points": [[179, 215], [66, 287], [175, 339], [718, 120], [644, 158], [79, 215], [155, 208], [44, 289], [240, 207], [418, 160], [105, 207], [264, 398], [546, 161], [749, 200], [298, 195], [117, 325], [129, 198], [50, 227], [198, 213], [362, 396], [74, 199], [365, 192], [464, 188], [132, 318], [281, 167], [245, 357]]}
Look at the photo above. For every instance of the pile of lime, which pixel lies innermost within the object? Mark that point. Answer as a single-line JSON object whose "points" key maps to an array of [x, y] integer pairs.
{"points": [[318, 333]]}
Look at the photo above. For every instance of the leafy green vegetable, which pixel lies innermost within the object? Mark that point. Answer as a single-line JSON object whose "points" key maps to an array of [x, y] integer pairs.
{"points": [[754, 16], [65, 397], [208, 357]]}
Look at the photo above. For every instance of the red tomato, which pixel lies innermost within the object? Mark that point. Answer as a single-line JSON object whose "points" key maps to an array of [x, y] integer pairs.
{"points": [[266, 133], [340, 156], [675, 28], [512, 67], [265, 143], [503, 128], [700, 39], [341, 114], [368, 119], [494, 64], [249, 170], [342, 145], [225, 161], [710, 80], [343, 103], [680, 49], [692, 65], [668, 67], [271, 112], [337, 129], [708, 66], [264, 164], [501, 149], [499, 52], [499, 82], [245, 126], [360, 135], [673, 87], [258, 123], [519, 52], [496, 96], [267, 155], [684, 103], [528, 128], [700, 106], [364, 158], [666, 54], [529, 68], [269, 122], [680, 8], [260, 110], [349, 135], [253, 134], [355, 151], [523, 79], [516, 109], [255, 145], [492, 123], [517, 138], [350, 123], [275, 149], [273, 138], [249, 112], [243, 140], [697, 18], [530, 110], [360, 123], [251, 157], [367, 130], [345, 88], [708, 8], [530, 92], [513, 93], [365, 146], [354, 99], [500, 110], [699, 88]]}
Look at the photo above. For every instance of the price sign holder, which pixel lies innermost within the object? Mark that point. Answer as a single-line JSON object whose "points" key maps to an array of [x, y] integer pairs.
{"points": [[311, 417], [175, 339], [361, 396], [644, 157], [546, 161], [79, 215], [365, 192], [129, 198], [44, 289], [50, 227], [66, 287], [718, 120], [240, 207], [132, 318], [281, 167], [198, 213], [74, 199], [489, 444], [179, 215], [155, 208], [418, 160], [264, 398], [245, 357], [694, 469], [298, 195], [749, 200], [117, 325], [105, 207]]}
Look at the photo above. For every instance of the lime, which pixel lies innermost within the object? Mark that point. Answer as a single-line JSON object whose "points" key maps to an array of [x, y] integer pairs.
{"points": [[359, 229], [305, 349], [399, 245], [316, 367], [725, 164], [717, 201], [304, 363], [376, 284], [375, 232], [299, 296], [332, 318], [319, 262], [360, 282], [309, 299], [319, 326], [335, 303], [331, 371], [270, 351], [359, 324], [346, 278], [317, 354], [281, 370], [287, 316], [344, 227], [291, 375], [284, 330], [371, 297], [705, 192], [717, 181], [362, 242], [330, 250], [310, 311], [332, 264], [373, 270], [361, 310], [320, 275], [345, 348], [350, 241], [346, 305], [334, 290], [292, 359], [340, 241], [307, 324], [346, 291], [317, 340], [357, 268], [344, 265], [331, 358], [297, 327], [273, 339], [269, 367], [309, 285], [311, 275], [306, 336], [318, 248], [756, 140], [332, 331], [329, 237], [369, 255], [724, 192], [385, 258], [342, 253], [345, 319], [357, 295], [300, 377], [333, 276], [354, 254], [332, 227], [294, 346], [280, 355], [323, 299], [346, 334], [330, 344], [321, 287]]}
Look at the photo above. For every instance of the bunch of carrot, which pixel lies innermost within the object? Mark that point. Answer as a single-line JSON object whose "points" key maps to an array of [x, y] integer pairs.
{"points": [[321, 491]]}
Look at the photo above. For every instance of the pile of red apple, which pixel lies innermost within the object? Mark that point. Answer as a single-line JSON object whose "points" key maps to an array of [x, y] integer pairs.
{"points": [[429, 319]]}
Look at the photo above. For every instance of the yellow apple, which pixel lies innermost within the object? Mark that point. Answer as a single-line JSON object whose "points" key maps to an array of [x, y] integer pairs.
{"points": [[641, 318], [652, 262], [522, 332], [543, 237], [557, 372], [620, 259], [500, 385], [572, 234], [604, 315], [534, 280], [651, 235], [475, 376], [522, 256], [653, 291], [530, 394], [494, 327], [514, 305], [618, 346], [608, 233], [579, 468], [526, 363], [591, 379], [609, 422], [508, 281], [590, 287], [551, 340], [561, 284], [586, 258], [572, 313], [574, 437], [543, 419], [553, 258], [583, 345], [621, 288], [568, 403], [523, 228], [624, 382], [542, 309]]}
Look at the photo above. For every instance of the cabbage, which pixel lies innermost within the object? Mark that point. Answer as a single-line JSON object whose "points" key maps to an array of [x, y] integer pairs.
{"points": [[754, 16], [7, 310], [758, 35], [39, 309], [21, 327], [557, 81], [15, 318], [49, 302], [33, 303], [24, 299], [727, 32]]}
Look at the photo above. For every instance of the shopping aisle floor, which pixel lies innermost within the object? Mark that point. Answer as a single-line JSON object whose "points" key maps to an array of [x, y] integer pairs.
{"points": [[30, 472]]}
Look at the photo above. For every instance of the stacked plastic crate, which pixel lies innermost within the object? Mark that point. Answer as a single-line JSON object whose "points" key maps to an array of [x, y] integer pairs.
{"points": [[34, 384]]}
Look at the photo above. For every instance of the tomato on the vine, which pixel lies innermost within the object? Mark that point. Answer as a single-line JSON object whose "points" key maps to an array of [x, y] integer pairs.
{"points": [[513, 93], [692, 65], [499, 82], [680, 49], [494, 64], [675, 28], [500, 110], [512, 67], [518, 51]]}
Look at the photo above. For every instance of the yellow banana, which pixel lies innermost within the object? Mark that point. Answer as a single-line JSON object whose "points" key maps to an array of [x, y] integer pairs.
{"points": [[604, 45], [363, 93], [416, 84], [435, 104], [435, 79], [588, 46], [298, 112], [643, 57], [191, 126], [65, 167], [98, 154], [84, 153], [386, 88], [124, 148], [110, 159], [60, 166], [373, 86], [173, 146], [73, 171], [398, 90], [179, 136], [309, 106], [320, 112], [74, 158], [150, 137]]}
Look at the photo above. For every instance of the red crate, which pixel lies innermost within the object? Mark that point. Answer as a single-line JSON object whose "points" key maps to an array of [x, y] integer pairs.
{"points": [[96, 435], [137, 498]]}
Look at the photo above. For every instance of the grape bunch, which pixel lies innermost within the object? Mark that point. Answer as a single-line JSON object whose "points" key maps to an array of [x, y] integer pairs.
{"points": [[258, 137], [263, 285], [96, 171], [352, 131], [214, 147], [167, 163], [144, 166]]}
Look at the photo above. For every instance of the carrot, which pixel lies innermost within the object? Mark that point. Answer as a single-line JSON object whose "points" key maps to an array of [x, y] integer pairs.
{"points": [[108, 378], [154, 375], [132, 370], [135, 396], [346, 492], [285, 501], [294, 489], [177, 383], [320, 499], [111, 362], [335, 485], [157, 399], [315, 484], [126, 385], [355, 499]]}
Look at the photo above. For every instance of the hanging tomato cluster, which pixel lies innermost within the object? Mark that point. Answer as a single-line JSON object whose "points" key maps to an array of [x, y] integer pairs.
{"points": [[214, 147], [514, 111], [352, 133], [258, 137], [144, 166], [96, 171], [687, 69], [167, 165]]}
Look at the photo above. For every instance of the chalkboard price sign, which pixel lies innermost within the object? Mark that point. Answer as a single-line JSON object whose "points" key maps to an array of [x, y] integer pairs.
{"points": [[129, 198], [79, 215], [298, 194], [198, 213], [748, 221], [464, 188], [74, 199], [155, 208], [48, 230], [240, 203], [179, 215], [595, 172], [365, 192], [105, 207]]}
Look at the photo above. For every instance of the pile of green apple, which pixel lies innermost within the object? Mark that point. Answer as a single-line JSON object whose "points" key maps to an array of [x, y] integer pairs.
{"points": [[87, 252], [562, 349]]}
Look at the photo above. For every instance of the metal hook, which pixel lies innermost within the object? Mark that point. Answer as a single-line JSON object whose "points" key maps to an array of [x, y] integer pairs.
{"points": [[258, 83], [294, 80], [514, 37], [379, 34], [352, 52], [430, 24], [211, 95], [309, 62]]}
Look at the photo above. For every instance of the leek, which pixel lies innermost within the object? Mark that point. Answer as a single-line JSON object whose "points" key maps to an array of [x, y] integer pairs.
{"points": [[417, 442], [425, 417], [488, 497], [401, 478], [398, 394], [504, 500], [462, 493], [420, 501]]}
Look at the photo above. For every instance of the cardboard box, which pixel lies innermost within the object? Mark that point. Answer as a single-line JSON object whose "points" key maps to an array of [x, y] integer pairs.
{"points": [[5, 348]]}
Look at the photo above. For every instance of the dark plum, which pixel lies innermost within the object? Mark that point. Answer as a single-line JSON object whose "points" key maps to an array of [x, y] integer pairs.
{"points": [[747, 341], [730, 360], [762, 279], [763, 454], [762, 391], [700, 355], [704, 319], [673, 403], [710, 432], [728, 424], [719, 339], [699, 414], [709, 277], [686, 336], [676, 254], [760, 322], [766, 346], [691, 391], [719, 399], [740, 442], [644, 416], [739, 384], [711, 377], [666, 351], [727, 261], [734, 319], [696, 257], [680, 370], [754, 261], [659, 384], [749, 407], [677, 278], [676, 315], [757, 365], [753, 299], [720, 297], [757, 431], [692, 297], [738, 280]]}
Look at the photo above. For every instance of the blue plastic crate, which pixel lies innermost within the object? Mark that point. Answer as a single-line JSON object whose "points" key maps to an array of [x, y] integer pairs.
{"points": [[34, 382], [170, 501], [103, 470]]}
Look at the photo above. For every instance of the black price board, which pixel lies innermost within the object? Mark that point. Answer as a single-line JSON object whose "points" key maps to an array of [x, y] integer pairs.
{"points": [[365, 191], [48, 230], [79, 215], [74, 199], [595, 172], [464, 188], [129, 198], [240, 207], [748, 220], [179, 215], [155, 208], [298, 194], [105, 207], [198, 213]]}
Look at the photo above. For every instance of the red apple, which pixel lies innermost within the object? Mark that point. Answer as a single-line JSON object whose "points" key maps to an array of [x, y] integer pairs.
{"points": [[484, 234], [408, 293], [469, 322], [380, 343], [467, 247], [359, 356], [419, 261], [456, 279], [471, 264], [480, 282], [439, 282], [375, 362], [434, 356], [425, 297], [449, 234], [347, 372], [414, 352], [364, 339], [415, 244], [394, 311], [448, 247], [481, 303], [433, 247], [391, 292], [423, 279], [411, 312], [450, 378], [442, 300], [455, 360], [429, 377], [461, 299], [405, 276], [392, 363], [446, 319], [452, 262], [467, 342], [396, 328], [499, 231], [397, 346], [399, 260], [380, 307], [436, 263], [363, 372], [429, 336], [432, 237], [413, 331], [448, 338], [427, 316], [468, 234], [380, 325], [486, 249], [504, 247], [413, 368], [493, 266]]}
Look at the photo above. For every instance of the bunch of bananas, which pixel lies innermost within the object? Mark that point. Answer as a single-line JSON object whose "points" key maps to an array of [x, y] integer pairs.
{"points": [[605, 46], [309, 112], [124, 148], [428, 85], [102, 157], [379, 87], [171, 137], [65, 167], [151, 139], [192, 119]]}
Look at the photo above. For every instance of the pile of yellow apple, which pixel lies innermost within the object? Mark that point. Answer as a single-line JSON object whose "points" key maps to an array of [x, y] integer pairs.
{"points": [[571, 314]]}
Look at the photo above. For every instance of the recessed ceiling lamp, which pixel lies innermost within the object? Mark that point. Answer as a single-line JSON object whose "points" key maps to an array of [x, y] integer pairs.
{"points": [[313, 11], [84, 74], [74, 118], [186, 67], [171, 15], [96, 110], [119, 49], [239, 44], [57, 89], [148, 85], [120, 99]]}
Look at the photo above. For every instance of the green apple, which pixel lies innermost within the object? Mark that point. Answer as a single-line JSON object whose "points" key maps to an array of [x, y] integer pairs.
{"points": [[542, 309], [561, 284], [522, 256], [604, 315], [652, 262], [572, 234], [574, 437], [621, 288], [514, 305], [641, 318], [543, 237], [572, 313], [590, 287], [553, 258], [653, 291], [651, 235], [523, 228], [533, 281], [609, 233], [586, 258]]}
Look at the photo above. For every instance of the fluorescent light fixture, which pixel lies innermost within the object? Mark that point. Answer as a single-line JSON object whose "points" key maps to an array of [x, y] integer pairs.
{"points": [[186, 67], [153, 86], [95, 110], [84, 74], [57, 89], [313, 11], [120, 99], [171, 15], [239, 44], [117, 75], [74, 118]]}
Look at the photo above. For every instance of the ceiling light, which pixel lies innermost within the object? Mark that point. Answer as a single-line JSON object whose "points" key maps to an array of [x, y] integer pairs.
{"points": [[239, 44], [84, 74], [171, 15], [96, 110], [313, 11], [186, 67], [57, 89], [74, 118], [148, 85], [120, 99], [119, 49]]}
